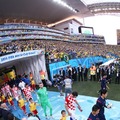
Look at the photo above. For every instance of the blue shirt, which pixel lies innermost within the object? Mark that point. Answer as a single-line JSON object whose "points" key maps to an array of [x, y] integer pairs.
{"points": [[92, 117], [26, 80], [101, 103], [103, 84]]}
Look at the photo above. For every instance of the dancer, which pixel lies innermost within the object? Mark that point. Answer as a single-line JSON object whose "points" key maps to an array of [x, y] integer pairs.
{"points": [[64, 116], [27, 92], [3, 98], [15, 92], [33, 85], [10, 101], [33, 108], [8, 89], [21, 103], [43, 99]]}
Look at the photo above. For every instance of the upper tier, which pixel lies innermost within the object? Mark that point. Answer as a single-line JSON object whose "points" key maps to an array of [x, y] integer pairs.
{"points": [[16, 31]]}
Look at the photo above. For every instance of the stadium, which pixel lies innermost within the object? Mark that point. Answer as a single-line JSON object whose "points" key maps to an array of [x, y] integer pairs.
{"points": [[56, 49]]}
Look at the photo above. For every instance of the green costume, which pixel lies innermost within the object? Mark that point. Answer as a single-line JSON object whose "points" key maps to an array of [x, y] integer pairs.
{"points": [[43, 100]]}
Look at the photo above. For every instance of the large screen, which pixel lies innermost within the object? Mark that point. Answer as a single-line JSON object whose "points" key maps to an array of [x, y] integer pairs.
{"points": [[86, 30]]}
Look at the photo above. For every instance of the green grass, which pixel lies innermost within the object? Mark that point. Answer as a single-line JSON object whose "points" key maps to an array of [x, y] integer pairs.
{"points": [[90, 88]]}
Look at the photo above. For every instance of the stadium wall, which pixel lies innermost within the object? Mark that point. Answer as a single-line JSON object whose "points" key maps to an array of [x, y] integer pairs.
{"points": [[88, 61]]}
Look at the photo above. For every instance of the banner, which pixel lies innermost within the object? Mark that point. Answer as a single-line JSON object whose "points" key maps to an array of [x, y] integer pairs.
{"points": [[19, 55]]}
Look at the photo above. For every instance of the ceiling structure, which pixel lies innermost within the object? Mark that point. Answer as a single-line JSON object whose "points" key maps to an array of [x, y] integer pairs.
{"points": [[46, 11], [103, 6], [50, 11], [88, 2]]}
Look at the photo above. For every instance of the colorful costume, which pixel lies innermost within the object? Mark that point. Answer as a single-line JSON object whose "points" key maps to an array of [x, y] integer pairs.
{"points": [[10, 101], [27, 92], [43, 100], [21, 103], [33, 84], [15, 93], [64, 117], [3, 99], [33, 108]]}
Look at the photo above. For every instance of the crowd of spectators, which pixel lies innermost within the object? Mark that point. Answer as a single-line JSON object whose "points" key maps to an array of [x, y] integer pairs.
{"points": [[55, 50]]}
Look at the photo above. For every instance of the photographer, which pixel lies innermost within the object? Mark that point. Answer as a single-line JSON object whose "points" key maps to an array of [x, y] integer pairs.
{"points": [[59, 83]]}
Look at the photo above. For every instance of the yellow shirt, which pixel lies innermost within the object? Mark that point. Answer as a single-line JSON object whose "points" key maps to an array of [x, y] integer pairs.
{"points": [[32, 106], [32, 82], [21, 102], [64, 118], [9, 99], [42, 75], [2, 97]]}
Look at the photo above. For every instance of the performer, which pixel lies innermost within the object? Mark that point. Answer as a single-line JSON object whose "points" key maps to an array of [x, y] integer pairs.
{"points": [[33, 108], [7, 89], [33, 84], [3, 98], [42, 76], [31, 76], [64, 116], [27, 92], [15, 92], [10, 100], [43, 99], [70, 105], [21, 103], [3, 90]]}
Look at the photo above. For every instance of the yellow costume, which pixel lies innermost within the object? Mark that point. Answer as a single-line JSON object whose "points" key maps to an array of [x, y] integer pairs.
{"points": [[21, 103], [64, 117], [32, 106]]}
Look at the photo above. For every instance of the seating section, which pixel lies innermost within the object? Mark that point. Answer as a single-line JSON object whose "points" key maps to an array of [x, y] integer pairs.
{"points": [[23, 37]]}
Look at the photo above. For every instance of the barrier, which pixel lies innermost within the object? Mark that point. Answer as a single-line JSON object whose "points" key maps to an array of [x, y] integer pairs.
{"points": [[87, 61], [15, 56]]}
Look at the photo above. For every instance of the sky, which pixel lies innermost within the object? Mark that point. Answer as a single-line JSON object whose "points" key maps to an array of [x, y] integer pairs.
{"points": [[105, 25]]}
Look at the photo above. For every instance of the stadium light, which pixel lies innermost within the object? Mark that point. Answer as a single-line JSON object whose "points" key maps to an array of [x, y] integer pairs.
{"points": [[65, 5], [88, 2]]}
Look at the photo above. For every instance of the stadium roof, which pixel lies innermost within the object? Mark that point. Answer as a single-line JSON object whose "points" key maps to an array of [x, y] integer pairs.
{"points": [[103, 6], [88, 2], [51, 11]]}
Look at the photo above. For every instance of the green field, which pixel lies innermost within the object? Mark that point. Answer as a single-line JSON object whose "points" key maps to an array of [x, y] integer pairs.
{"points": [[90, 88]]}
